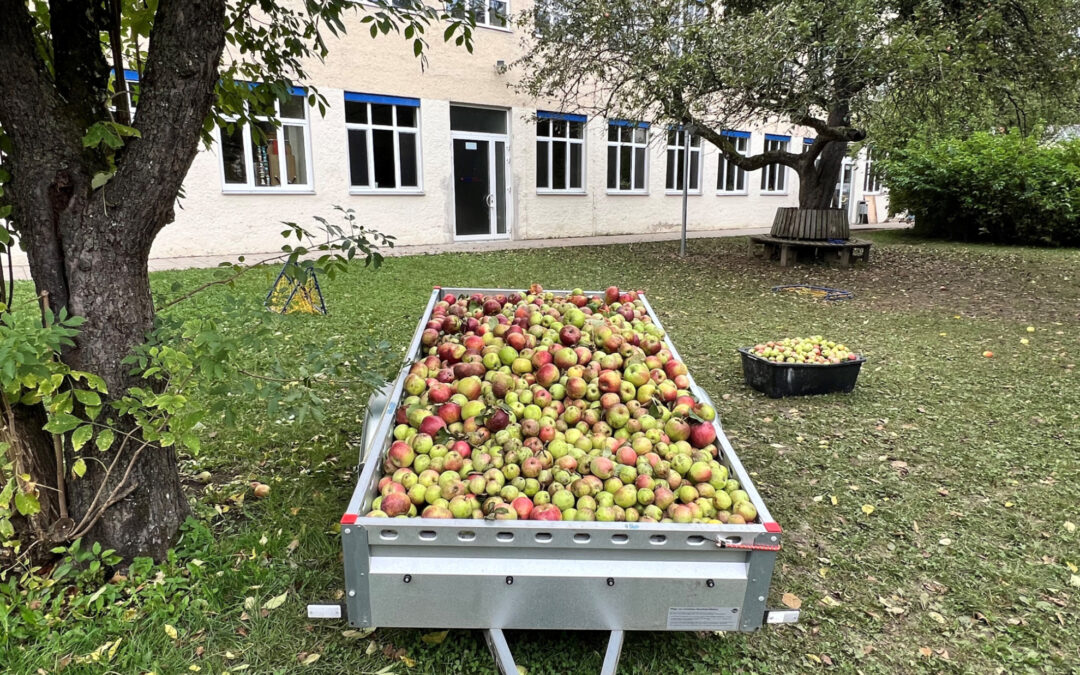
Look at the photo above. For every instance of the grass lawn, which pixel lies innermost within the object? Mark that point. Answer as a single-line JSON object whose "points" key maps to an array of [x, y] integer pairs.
{"points": [[966, 561]]}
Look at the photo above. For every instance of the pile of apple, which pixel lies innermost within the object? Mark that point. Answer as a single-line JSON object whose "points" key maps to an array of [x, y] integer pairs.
{"points": [[813, 350], [536, 406]]}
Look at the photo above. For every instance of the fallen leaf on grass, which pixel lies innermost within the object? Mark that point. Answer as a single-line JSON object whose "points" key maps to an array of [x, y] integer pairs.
{"points": [[1074, 580], [437, 638], [937, 617], [791, 600], [867, 509], [830, 601], [1070, 527], [275, 602], [371, 648], [170, 630], [310, 659], [925, 651], [945, 541], [358, 634]]}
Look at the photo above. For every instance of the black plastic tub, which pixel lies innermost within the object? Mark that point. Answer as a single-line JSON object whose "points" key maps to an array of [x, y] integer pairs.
{"points": [[778, 380]]}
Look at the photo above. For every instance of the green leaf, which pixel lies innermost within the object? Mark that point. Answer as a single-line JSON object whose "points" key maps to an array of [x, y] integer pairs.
{"points": [[191, 442], [80, 436], [104, 439], [88, 397], [61, 423], [100, 178], [7, 530], [27, 504], [79, 467], [5, 494]]}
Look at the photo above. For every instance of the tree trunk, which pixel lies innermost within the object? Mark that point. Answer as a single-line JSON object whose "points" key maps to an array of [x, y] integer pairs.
{"points": [[817, 180], [32, 452], [109, 284], [89, 247]]}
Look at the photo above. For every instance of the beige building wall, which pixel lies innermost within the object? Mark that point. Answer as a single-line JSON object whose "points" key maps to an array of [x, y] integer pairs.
{"points": [[214, 222]]}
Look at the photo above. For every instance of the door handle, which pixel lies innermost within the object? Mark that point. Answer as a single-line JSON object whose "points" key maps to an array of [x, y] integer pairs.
{"points": [[490, 200]]}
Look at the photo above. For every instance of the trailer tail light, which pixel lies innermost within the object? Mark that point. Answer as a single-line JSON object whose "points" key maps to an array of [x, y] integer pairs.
{"points": [[348, 519], [772, 527]]}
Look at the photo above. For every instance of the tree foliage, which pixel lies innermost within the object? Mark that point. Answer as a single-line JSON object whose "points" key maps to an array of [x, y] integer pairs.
{"points": [[91, 168], [832, 67], [1004, 188]]}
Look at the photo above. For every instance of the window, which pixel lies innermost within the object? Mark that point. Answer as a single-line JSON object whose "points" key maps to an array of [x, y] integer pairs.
{"points": [[676, 160], [627, 149], [731, 180], [384, 144], [482, 120], [269, 158], [560, 152], [491, 13], [131, 83], [774, 176], [686, 21], [549, 15], [871, 179]]}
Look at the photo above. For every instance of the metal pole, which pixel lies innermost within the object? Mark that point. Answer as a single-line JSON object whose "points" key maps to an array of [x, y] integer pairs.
{"points": [[685, 186]]}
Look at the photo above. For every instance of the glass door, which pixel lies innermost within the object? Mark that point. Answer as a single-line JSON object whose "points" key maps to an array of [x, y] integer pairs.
{"points": [[481, 166], [472, 188], [842, 196]]}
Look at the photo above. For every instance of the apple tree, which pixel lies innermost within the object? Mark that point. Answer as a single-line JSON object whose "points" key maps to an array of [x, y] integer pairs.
{"points": [[831, 67], [91, 172]]}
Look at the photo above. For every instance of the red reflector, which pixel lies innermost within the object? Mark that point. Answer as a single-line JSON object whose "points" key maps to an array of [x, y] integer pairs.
{"points": [[772, 527], [348, 519]]}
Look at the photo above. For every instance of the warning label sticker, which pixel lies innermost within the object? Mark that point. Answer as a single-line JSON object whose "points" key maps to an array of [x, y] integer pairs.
{"points": [[702, 618]]}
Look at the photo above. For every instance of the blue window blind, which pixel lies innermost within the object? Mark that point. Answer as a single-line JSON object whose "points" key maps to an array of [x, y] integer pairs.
{"points": [[808, 141], [735, 134], [775, 137], [544, 115], [377, 98], [628, 123]]}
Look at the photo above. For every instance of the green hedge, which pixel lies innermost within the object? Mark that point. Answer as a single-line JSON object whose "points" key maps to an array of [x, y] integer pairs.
{"points": [[1000, 188]]}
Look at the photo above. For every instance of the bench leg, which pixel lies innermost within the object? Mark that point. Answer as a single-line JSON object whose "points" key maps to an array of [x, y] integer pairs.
{"points": [[785, 255], [866, 255], [845, 256]]}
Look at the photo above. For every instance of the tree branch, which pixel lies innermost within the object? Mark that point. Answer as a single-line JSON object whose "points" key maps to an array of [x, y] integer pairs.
{"points": [[752, 163], [78, 59], [175, 98]]}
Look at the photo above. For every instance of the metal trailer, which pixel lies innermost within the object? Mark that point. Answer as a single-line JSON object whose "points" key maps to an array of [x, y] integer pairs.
{"points": [[522, 574]]}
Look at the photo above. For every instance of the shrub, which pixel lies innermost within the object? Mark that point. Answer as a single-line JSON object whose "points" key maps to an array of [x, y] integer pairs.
{"points": [[1000, 188]]}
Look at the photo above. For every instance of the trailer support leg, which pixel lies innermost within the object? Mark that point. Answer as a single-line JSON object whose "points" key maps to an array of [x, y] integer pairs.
{"points": [[504, 659], [614, 651], [496, 643]]}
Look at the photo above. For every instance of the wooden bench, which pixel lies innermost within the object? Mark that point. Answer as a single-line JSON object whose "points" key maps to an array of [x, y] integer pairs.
{"points": [[787, 249]]}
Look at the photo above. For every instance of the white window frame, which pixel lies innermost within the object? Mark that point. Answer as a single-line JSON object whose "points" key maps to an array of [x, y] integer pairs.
{"points": [[634, 146], [777, 171], [249, 187], [672, 151], [483, 19], [549, 141], [368, 127], [870, 180], [742, 144]]}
